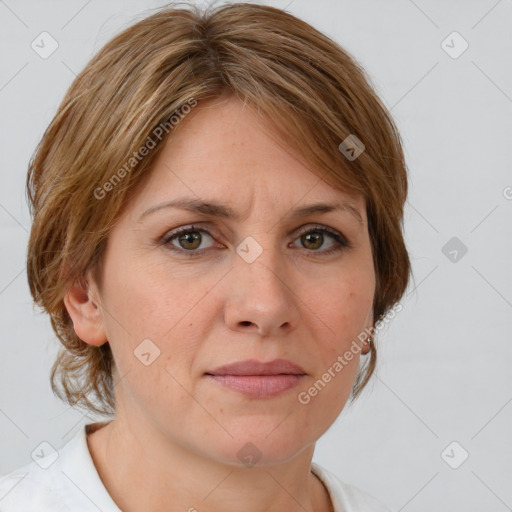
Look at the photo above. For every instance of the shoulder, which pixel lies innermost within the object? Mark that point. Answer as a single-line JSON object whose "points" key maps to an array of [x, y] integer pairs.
{"points": [[31, 488], [346, 497], [56, 481]]}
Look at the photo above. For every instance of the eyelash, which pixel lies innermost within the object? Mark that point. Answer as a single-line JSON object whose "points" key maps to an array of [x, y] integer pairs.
{"points": [[166, 240]]}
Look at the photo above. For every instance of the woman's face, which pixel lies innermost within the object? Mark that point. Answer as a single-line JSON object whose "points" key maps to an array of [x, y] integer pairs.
{"points": [[252, 286]]}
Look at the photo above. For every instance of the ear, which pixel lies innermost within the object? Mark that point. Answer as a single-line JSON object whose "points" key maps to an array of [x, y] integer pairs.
{"points": [[81, 301]]}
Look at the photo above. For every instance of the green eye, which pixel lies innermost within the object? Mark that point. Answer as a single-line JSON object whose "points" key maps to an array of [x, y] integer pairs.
{"points": [[187, 240]]}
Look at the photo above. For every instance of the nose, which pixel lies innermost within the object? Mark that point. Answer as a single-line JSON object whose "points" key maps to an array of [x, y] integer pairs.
{"points": [[261, 297]]}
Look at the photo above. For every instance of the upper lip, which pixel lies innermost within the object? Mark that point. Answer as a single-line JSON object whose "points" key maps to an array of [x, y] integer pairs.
{"points": [[254, 367]]}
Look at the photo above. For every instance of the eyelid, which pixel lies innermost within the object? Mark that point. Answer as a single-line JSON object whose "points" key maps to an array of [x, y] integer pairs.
{"points": [[173, 233], [321, 227], [206, 227]]}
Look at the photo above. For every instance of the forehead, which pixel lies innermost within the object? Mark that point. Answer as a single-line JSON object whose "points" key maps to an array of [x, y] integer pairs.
{"points": [[223, 152]]}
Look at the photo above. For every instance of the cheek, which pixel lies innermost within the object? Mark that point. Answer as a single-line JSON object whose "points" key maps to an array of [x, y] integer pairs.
{"points": [[154, 339], [344, 304], [152, 298], [147, 303]]}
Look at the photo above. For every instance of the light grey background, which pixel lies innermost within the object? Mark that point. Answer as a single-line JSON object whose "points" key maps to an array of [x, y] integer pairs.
{"points": [[444, 372]]}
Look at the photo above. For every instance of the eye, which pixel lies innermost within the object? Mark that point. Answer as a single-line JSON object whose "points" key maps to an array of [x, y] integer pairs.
{"points": [[187, 240], [314, 239]]}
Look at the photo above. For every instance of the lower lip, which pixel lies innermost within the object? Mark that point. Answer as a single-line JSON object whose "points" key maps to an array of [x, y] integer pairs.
{"points": [[259, 386]]}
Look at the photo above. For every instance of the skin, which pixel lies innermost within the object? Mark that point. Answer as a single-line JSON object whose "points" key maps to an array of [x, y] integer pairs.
{"points": [[176, 433]]}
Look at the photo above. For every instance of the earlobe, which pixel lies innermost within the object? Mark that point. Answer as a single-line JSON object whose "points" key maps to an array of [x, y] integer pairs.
{"points": [[85, 313], [370, 329], [366, 345]]}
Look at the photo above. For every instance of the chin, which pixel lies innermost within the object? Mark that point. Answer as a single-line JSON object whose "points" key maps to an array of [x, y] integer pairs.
{"points": [[266, 445]]}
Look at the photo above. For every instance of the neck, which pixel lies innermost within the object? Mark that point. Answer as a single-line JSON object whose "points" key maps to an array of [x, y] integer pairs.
{"points": [[154, 473]]}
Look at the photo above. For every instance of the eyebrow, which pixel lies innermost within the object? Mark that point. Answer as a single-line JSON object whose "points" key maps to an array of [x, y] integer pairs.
{"points": [[215, 209]]}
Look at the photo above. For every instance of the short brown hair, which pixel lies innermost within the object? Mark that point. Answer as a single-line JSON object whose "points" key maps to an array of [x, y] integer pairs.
{"points": [[314, 93]]}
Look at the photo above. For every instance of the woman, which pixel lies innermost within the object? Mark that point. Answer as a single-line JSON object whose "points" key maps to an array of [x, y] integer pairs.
{"points": [[217, 234]]}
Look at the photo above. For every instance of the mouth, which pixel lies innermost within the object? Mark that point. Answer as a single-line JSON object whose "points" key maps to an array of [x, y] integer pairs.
{"points": [[258, 379], [258, 386], [258, 368]]}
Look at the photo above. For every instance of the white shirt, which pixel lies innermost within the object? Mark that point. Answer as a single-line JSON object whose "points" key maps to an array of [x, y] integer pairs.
{"points": [[67, 481]]}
